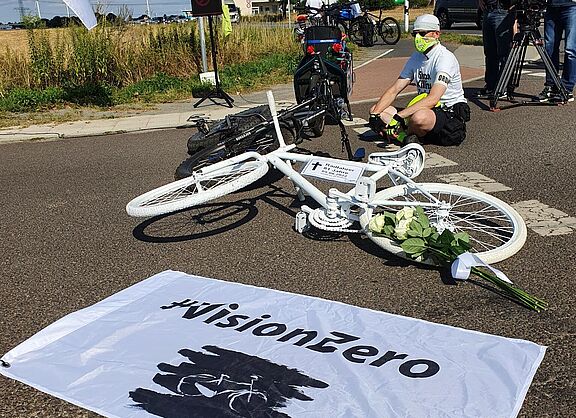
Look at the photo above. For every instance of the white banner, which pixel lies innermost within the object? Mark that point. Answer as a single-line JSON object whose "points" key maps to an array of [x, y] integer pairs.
{"points": [[176, 345], [84, 11]]}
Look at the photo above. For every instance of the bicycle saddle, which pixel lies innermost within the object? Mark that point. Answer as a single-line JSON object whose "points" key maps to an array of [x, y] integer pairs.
{"points": [[408, 160]]}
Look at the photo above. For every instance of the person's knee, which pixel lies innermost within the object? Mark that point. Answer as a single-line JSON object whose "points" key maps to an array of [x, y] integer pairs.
{"points": [[422, 122], [422, 118]]}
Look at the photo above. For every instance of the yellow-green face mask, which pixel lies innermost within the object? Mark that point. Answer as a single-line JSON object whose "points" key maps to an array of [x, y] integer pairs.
{"points": [[424, 43]]}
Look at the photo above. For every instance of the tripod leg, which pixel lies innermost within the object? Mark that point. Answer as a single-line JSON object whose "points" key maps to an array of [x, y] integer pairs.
{"points": [[512, 65], [217, 92], [518, 73]]}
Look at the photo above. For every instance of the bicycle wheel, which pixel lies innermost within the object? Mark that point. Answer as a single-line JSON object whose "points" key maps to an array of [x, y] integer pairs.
{"points": [[261, 144], [220, 130], [196, 190], [317, 127], [210, 149], [321, 91], [355, 32], [202, 158], [496, 230], [389, 30]]}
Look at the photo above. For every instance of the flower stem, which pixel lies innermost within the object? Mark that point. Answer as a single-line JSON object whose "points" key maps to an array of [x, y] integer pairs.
{"points": [[513, 291]]}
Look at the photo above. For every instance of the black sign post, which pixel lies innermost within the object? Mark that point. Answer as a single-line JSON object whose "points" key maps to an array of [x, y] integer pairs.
{"points": [[206, 8], [211, 8]]}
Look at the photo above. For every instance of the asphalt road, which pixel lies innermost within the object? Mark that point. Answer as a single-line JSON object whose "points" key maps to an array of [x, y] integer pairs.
{"points": [[66, 241]]}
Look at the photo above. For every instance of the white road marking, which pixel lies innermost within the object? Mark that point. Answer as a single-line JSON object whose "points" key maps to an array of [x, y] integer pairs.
{"points": [[544, 220], [363, 130], [354, 121], [436, 160], [386, 52], [474, 180]]}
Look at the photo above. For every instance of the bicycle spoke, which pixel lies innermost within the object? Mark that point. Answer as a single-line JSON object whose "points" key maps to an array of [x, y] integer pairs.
{"points": [[487, 226], [199, 186]]}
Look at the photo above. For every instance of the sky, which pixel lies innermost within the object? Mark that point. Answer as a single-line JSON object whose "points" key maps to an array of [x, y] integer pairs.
{"points": [[50, 8]]}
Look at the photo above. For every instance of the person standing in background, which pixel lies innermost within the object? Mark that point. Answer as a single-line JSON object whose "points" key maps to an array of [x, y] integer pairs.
{"points": [[497, 32], [560, 17], [315, 5]]}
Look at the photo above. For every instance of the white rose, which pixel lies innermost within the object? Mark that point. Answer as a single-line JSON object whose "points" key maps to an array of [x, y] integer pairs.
{"points": [[377, 223], [405, 213], [402, 228]]}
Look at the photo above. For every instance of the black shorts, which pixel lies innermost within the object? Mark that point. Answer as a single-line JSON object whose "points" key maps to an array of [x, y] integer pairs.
{"points": [[450, 126]]}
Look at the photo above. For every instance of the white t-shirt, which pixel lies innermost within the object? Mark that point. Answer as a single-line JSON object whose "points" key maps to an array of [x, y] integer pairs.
{"points": [[316, 4], [438, 66]]}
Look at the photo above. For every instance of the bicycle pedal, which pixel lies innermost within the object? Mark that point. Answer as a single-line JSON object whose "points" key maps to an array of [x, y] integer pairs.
{"points": [[365, 189], [301, 223]]}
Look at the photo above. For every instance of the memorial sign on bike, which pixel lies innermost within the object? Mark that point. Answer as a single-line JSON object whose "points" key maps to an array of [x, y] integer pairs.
{"points": [[335, 171]]}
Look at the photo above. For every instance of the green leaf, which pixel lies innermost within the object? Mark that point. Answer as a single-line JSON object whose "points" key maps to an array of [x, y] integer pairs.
{"points": [[457, 250], [388, 231], [389, 219], [462, 236], [422, 218], [413, 246], [427, 232], [446, 237], [416, 255], [417, 228]]}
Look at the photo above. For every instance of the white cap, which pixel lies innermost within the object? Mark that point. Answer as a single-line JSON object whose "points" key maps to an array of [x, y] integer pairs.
{"points": [[427, 22]]}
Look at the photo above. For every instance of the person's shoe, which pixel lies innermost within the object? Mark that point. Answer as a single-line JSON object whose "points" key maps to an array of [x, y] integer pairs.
{"points": [[556, 97], [545, 94], [410, 139], [485, 93]]}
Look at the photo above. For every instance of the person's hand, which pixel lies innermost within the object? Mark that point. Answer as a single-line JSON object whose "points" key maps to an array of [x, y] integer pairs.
{"points": [[395, 126], [377, 124]]}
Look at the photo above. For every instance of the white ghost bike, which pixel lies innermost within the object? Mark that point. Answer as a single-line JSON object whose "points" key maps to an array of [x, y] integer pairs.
{"points": [[496, 230]]}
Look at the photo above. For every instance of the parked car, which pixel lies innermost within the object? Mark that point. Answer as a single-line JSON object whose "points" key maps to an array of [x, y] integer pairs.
{"points": [[453, 11], [234, 13]]}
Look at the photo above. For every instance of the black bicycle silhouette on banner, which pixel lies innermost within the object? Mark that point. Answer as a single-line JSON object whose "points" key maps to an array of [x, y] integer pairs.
{"points": [[224, 383]]}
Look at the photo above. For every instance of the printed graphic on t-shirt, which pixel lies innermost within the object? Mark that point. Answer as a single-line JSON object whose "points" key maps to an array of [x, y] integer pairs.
{"points": [[423, 83]]}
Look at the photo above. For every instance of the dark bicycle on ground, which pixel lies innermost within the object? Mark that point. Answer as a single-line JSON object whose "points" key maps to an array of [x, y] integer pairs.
{"points": [[322, 86]]}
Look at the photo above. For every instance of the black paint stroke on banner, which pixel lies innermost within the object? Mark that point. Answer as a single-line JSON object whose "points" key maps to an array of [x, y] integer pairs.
{"points": [[224, 383]]}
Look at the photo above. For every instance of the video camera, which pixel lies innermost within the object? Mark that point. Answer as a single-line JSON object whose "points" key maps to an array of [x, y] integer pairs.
{"points": [[529, 12]]}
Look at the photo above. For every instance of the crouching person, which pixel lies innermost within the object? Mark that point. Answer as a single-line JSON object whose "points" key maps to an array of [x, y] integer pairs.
{"points": [[439, 113]]}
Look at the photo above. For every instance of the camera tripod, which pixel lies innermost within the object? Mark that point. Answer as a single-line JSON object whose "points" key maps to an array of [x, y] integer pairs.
{"points": [[510, 76]]}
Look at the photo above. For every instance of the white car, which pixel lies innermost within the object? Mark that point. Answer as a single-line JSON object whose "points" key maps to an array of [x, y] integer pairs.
{"points": [[234, 13]]}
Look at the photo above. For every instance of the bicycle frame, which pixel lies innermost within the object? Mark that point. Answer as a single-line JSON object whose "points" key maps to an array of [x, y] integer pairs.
{"points": [[336, 203]]}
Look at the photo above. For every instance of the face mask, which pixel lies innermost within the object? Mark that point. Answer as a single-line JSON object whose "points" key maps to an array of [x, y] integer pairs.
{"points": [[423, 43]]}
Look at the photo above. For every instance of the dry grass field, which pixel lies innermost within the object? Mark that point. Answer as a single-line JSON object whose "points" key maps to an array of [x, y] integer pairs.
{"points": [[13, 40], [17, 41]]}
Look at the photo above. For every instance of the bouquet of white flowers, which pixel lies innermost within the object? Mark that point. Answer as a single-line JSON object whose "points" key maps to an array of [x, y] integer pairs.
{"points": [[410, 228]]}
